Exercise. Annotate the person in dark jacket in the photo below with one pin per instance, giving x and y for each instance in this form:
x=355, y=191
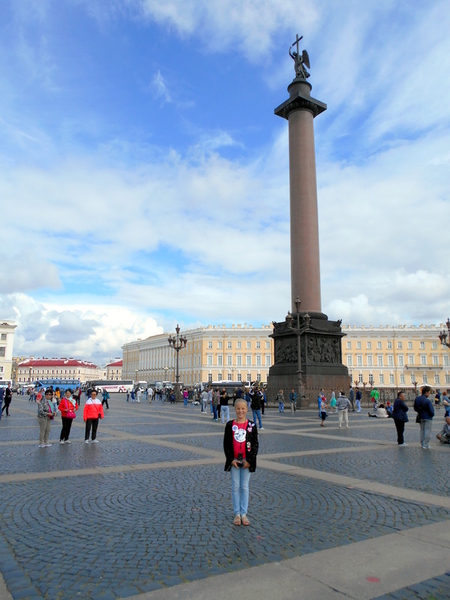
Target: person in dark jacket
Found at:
x=256, y=400
x=425, y=413
x=240, y=445
x=400, y=417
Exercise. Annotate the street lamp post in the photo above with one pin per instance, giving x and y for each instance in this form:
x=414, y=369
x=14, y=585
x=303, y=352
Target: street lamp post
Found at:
x=177, y=343
x=299, y=330
x=443, y=335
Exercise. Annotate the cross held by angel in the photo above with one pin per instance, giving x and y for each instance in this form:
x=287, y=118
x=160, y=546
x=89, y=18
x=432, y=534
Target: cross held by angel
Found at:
x=300, y=60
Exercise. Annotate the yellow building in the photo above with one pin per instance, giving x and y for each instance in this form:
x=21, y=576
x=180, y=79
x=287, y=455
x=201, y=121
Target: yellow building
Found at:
x=7, y=330
x=396, y=357
x=212, y=353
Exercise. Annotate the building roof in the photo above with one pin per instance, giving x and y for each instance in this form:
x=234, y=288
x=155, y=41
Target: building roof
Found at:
x=56, y=362
x=117, y=363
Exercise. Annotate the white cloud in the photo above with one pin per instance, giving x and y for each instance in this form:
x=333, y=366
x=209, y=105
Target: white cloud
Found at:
x=159, y=87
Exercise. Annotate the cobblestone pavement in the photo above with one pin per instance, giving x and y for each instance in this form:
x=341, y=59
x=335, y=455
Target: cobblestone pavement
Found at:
x=149, y=507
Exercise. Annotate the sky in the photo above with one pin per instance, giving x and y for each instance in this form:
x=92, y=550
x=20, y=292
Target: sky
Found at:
x=144, y=178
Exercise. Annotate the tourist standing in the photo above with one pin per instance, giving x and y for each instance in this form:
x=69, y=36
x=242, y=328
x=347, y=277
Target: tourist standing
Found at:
x=400, y=417
x=204, y=401
x=93, y=411
x=425, y=413
x=280, y=399
x=351, y=397
x=2, y=395
x=215, y=403
x=105, y=398
x=7, y=399
x=185, y=397
x=446, y=403
x=293, y=397
x=67, y=407
x=319, y=401
x=343, y=404
x=358, y=400
x=45, y=417
x=323, y=411
x=224, y=406
x=256, y=399
x=240, y=445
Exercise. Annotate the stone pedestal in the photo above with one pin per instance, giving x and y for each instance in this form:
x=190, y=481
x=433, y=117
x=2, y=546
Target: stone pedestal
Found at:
x=321, y=360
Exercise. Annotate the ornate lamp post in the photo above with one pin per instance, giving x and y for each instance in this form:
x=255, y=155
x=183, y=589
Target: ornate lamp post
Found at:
x=443, y=335
x=177, y=343
x=299, y=330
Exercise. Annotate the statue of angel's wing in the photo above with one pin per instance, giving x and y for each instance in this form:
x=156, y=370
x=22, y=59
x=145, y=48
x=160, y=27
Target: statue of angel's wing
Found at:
x=305, y=59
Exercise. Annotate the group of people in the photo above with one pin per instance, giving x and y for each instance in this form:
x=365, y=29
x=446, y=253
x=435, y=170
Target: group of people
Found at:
x=49, y=404
x=293, y=396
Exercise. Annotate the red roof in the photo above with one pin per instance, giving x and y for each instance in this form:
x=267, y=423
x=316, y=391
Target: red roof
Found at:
x=118, y=363
x=56, y=362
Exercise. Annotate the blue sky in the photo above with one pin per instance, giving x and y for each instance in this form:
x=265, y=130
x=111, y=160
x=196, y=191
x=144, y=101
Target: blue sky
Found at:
x=144, y=176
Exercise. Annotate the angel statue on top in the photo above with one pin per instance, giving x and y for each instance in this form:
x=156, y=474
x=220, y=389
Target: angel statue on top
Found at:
x=300, y=60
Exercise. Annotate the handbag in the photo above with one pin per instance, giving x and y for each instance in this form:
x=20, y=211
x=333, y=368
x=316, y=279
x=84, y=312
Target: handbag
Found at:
x=70, y=414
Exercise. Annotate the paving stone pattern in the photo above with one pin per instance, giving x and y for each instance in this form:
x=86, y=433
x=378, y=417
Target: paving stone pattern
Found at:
x=431, y=589
x=114, y=535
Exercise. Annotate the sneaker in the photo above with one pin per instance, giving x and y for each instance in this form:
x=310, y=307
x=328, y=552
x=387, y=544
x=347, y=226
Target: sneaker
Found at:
x=41, y=445
x=403, y=444
x=245, y=521
x=95, y=441
x=86, y=441
x=68, y=442
x=62, y=442
x=237, y=520
x=261, y=428
x=47, y=445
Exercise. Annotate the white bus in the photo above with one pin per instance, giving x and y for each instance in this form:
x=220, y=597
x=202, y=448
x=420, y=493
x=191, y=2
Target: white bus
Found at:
x=110, y=386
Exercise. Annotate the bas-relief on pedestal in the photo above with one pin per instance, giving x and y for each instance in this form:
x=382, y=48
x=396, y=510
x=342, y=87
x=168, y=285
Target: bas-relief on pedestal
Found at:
x=320, y=339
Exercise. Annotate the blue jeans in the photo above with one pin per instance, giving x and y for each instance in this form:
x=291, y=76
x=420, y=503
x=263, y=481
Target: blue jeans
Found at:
x=225, y=413
x=257, y=413
x=240, y=479
x=425, y=432
x=214, y=409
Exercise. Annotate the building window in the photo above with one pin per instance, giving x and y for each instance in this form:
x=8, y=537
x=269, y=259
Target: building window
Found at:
x=210, y=345
x=390, y=360
x=391, y=379
x=435, y=359
x=402, y=379
x=389, y=345
x=219, y=360
x=3, y=337
x=248, y=360
x=370, y=378
x=209, y=377
x=239, y=377
x=447, y=378
x=249, y=345
x=436, y=378
x=209, y=360
x=360, y=377
x=349, y=360
x=249, y=376
x=230, y=377
x=369, y=360
x=410, y=346
x=258, y=377
x=267, y=360
x=380, y=360
x=425, y=378
x=359, y=361
x=446, y=360
x=381, y=378
x=229, y=345
x=400, y=345
x=401, y=360
x=379, y=346
x=410, y=359
x=219, y=377
x=358, y=345
x=239, y=345
x=267, y=345
x=413, y=378
x=219, y=345
x=422, y=345
x=349, y=345
x=423, y=359
x=258, y=345
x=239, y=360
x=258, y=360
x=229, y=359
x=2, y=351
x=369, y=345
x=434, y=345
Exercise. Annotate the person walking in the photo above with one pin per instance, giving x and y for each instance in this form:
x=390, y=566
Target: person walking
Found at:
x=2, y=395
x=323, y=411
x=343, y=404
x=7, y=400
x=204, y=401
x=425, y=413
x=256, y=399
x=351, y=397
x=400, y=417
x=215, y=403
x=240, y=445
x=224, y=406
x=319, y=401
x=45, y=417
x=293, y=397
x=358, y=400
x=93, y=411
x=105, y=398
x=67, y=407
x=185, y=397
x=280, y=399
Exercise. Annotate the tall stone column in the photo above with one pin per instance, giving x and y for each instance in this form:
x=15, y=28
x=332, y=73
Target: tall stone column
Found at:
x=308, y=354
x=300, y=110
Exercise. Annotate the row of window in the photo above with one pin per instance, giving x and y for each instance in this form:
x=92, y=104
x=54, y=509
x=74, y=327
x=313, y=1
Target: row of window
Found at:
x=229, y=346
x=402, y=379
x=239, y=360
x=230, y=377
x=389, y=346
x=47, y=371
x=400, y=360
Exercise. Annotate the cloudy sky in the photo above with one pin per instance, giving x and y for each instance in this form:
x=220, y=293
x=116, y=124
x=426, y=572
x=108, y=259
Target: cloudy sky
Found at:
x=144, y=176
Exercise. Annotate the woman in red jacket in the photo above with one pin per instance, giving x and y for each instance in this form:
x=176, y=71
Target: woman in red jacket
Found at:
x=93, y=411
x=67, y=406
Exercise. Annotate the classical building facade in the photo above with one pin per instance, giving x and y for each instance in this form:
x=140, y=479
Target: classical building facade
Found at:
x=33, y=369
x=212, y=353
x=7, y=330
x=114, y=370
x=396, y=357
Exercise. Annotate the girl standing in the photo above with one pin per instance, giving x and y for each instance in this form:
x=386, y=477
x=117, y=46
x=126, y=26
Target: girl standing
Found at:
x=67, y=407
x=240, y=444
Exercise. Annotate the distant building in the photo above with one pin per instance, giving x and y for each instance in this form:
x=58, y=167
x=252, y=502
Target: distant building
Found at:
x=212, y=353
x=397, y=356
x=114, y=370
x=7, y=330
x=32, y=369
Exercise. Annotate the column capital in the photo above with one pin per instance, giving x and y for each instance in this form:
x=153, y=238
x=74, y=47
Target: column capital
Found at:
x=299, y=101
